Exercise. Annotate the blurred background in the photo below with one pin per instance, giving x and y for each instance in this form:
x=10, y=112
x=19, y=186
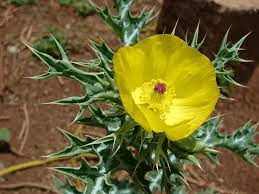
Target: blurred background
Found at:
x=33, y=126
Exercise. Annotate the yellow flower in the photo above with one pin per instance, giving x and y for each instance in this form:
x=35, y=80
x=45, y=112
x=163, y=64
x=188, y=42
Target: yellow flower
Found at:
x=165, y=85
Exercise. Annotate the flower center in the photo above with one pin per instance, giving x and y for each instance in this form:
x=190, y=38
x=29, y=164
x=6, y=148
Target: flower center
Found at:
x=155, y=95
x=160, y=88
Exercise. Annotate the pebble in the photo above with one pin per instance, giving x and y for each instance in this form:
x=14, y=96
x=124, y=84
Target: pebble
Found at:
x=12, y=49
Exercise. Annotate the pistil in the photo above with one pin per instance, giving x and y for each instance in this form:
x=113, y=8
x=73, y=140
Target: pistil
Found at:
x=160, y=88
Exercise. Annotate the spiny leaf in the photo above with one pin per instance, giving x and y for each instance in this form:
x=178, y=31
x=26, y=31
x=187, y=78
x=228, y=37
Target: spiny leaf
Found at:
x=64, y=68
x=75, y=147
x=47, y=44
x=240, y=141
x=159, y=153
x=124, y=187
x=124, y=24
x=46, y=75
x=195, y=44
x=104, y=139
x=227, y=54
x=93, y=89
x=85, y=101
x=209, y=133
x=100, y=118
x=105, y=51
x=112, y=96
x=97, y=181
x=194, y=160
x=97, y=177
x=155, y=178
x=129, y=163
x=126, y=126
x=66, y=188
x=71, y=100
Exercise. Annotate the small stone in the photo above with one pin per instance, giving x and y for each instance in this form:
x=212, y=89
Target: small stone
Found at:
x=12, y=49
x=49, y=151
x=68, y=26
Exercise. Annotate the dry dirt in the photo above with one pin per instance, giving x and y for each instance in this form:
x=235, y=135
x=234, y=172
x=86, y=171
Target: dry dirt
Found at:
x=19, y=95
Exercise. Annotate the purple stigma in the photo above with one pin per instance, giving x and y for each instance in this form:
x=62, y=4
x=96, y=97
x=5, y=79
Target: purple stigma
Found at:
x=160, y=88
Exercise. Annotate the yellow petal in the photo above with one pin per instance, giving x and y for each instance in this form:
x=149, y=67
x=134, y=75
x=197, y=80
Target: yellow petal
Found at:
x=182, y=120
x=157, y=50
x=191, y=72
x=129, y=67
x=154, y=120
x=133, y=110
x=128, y=76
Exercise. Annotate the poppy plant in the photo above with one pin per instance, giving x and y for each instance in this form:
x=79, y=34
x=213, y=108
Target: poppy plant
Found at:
x=165, y=85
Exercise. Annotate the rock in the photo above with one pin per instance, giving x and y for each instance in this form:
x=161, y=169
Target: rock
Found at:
x=216, y=16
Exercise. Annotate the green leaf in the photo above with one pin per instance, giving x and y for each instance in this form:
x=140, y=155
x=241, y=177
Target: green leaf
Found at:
x=104, y=51
x=209, y=133
x=124, y=187
x=195, y=44
x=227, y=54
x=135, y=169
x=96, y=180
x=4, y=135
x=155, y=179
x=194, y=160
x=104, y=139
x=47, y=44
x=71, y=100
x=97, y=177
x=240, y=141
x=64, y=67
x=66, y=188
x=105, y=119
x=99, y=84
x=93, y=95
x=126, y=26
x=75, y=147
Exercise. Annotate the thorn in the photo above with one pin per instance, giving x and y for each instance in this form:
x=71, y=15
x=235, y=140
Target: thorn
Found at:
x=33, y=77
x=164, y=30
x=186, y=37
x=47, y=103
x=218, y=116
x=226, y=98
x=186, y=182
x=173, y=32
x=212, y=150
